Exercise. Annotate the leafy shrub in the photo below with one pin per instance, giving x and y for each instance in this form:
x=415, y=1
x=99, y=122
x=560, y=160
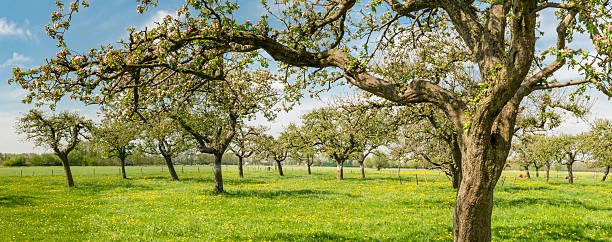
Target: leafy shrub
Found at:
x=17, y=161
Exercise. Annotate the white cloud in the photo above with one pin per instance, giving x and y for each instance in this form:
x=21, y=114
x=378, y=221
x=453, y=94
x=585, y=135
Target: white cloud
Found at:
x=9, y=28
x=16, y=60
x=157, y=18
x=13, y=143
x=294, y=115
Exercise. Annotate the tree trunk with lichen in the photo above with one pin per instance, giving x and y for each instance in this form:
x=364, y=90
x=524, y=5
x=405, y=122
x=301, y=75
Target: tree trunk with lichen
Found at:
x=482, y=166
x=340, y=171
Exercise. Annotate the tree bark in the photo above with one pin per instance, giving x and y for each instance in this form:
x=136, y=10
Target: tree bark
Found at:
x=308, y=164
x=280, y=168
x=240, y=171
x=603, y=179
x=67, y=170
x=483, y=159
x=340, y=172
x=537, y=171
x=570, y=173
x=170, y=165
x=527, y=170
x=547, y=172
x=456, y=181
x=218, y=174
x=362, y=170
x=122, y=158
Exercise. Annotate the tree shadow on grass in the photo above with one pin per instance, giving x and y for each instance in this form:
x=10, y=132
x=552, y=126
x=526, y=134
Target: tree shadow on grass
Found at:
x=528, y=201
x=549, y=232
x=97, y=187
x=16, y=200
x=516, y=188
x=301, y=236
x=281, y=193
x=168, y=178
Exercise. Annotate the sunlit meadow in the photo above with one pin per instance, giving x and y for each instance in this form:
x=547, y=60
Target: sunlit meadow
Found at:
x=36, y=205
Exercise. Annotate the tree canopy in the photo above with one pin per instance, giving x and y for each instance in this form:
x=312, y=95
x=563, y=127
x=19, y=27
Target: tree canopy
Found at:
x=379, y=47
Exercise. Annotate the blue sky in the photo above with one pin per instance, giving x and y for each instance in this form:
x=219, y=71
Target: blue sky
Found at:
x=24, y=43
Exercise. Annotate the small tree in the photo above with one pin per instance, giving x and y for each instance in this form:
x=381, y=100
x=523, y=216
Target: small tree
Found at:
x=117, y=139
x=301, y=146
x=344, y=131
x=378, y=160
x=61, y=132
x=573, y=148
x=244, y=144
x=276, y=149
x=163, y=136
x=600, y=144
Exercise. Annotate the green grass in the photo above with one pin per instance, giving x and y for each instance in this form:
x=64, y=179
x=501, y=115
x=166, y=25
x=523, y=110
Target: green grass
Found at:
x=297, y=207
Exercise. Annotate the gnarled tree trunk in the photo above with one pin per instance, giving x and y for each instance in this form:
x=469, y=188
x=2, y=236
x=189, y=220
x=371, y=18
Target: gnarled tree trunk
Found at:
x=240, y=171
x=456, y=180
x=362, y=169
x=339, y=172
x=170, y=165
x=603, y=179
x=280, y=168
x=570, y=173
x=547, y=172
x=482, y=166
x=527, y=170
x=67, y=170
x=218, y=174
x=122, y=158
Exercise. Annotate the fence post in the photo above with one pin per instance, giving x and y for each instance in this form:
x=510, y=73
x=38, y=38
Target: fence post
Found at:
x=503, y=180
x=21, y=172
x=51, y=171
x=182, y=169
x=514, y=182
x=417, y=178
x=141, y=170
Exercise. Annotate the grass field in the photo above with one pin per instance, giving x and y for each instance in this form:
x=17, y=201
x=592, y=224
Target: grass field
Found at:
x=36, y=206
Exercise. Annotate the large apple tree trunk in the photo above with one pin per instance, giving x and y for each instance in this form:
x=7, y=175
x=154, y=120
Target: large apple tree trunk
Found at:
x=168, y=159
x=362, y=169
x=603, y=179
x=240, y=170
x=217, y=172
x=280, y=168
x=67, y=170
x=570, y=173
x=481, y=167
x=547, y=172
x=122, y=159
x=340, y=172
